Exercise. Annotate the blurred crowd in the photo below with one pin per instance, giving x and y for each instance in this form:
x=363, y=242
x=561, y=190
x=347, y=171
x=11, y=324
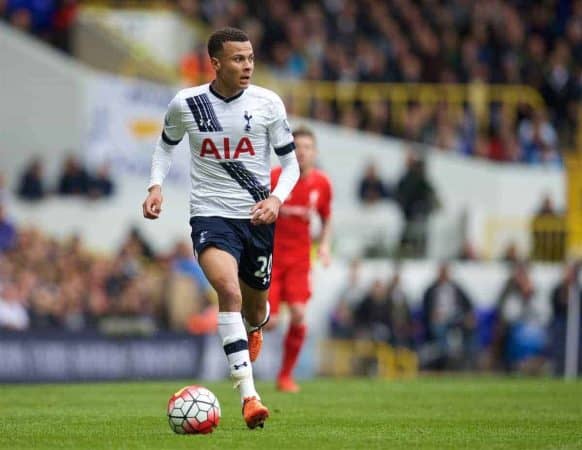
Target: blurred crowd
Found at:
x=418, y=199
x=46, y=284
x=509, y=42
x=49, y=20
x=450, y=332
x=74, y=179
x=456, y=41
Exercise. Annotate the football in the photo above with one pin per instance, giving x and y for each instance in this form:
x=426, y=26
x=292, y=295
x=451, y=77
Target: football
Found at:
x=193, y=410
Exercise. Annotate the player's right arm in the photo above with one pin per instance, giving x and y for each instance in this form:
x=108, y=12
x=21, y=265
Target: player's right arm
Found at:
x=281, y=138
x=172, y=134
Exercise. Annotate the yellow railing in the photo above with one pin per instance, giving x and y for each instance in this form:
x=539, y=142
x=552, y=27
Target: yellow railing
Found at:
x=549, y=238
x=543, y=238
x=301, y=94
x=346, y=358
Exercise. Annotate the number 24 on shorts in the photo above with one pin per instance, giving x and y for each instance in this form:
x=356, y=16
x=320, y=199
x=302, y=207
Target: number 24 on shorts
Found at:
x=266, y=266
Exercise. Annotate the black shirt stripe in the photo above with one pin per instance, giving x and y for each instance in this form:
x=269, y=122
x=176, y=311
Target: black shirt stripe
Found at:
x=196, y=113
x=246, y=180
x=208, y=105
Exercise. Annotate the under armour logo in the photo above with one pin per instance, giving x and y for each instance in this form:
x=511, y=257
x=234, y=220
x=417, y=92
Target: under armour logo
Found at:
x=238, y=366
x=248, y=119
x=203, y=237
x=202, y=123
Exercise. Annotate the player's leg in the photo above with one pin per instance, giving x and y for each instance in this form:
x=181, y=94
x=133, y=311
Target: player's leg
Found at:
x=255, y=279
x=256, y=314
x=297, y=292
x=221, y=269
x=218, y=248
x=256, y=306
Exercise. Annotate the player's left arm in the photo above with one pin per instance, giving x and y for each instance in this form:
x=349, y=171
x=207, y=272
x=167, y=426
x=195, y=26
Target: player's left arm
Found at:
x=324, y=211
x=281, y=138
x=324, y=250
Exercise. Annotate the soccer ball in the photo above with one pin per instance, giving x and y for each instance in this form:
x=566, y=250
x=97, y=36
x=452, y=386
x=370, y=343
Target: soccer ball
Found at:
x=193, y=410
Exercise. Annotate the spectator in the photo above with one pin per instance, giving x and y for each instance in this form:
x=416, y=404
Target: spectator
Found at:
x=341, y=321
x=417, y=199
x=353, y=291
x=31, y=185
x=100, y=184
x=139, y=244
x=195, y=67
x=519, y=336
x=372, y=189
x=449, y=319
x=372, y=315
x=538, y=140
x=468, y=252
x=63, y=23
x=74, y=179
x=7, y=231
x=401, y=326
x=13, y=314
x=185, y=263
x=511, y=253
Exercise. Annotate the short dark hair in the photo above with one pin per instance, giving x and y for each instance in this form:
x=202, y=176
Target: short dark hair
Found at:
x=304, y=131
x=227, y=34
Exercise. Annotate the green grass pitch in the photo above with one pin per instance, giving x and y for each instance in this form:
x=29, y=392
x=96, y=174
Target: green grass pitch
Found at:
x=427, y=413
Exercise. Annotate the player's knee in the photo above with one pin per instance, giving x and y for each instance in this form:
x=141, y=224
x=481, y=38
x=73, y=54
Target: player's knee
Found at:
x=297, y=316
x=229, y=294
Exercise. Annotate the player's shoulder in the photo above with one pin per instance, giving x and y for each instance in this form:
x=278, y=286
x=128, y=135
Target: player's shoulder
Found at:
x=192, y=91
x=320, y=176
x=261, y=93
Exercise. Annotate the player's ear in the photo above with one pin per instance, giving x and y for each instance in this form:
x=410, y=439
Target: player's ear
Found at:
x=215, y=63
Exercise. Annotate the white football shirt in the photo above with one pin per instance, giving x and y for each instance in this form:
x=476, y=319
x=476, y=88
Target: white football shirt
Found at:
x=230, y=144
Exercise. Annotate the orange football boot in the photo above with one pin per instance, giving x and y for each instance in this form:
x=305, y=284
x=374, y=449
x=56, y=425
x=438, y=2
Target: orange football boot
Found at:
x=286, y=384
x=254, y=412
x=255, y=339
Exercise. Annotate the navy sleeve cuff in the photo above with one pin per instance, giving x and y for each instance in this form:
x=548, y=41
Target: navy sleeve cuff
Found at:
x=285, y=149
x=169, y=141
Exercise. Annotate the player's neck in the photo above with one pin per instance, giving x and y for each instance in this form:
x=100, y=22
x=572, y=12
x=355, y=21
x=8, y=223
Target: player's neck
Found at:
x=225, y=91
x=305, y=172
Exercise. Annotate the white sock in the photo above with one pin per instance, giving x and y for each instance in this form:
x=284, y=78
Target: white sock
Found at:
x=235, y=344
x=250, y=328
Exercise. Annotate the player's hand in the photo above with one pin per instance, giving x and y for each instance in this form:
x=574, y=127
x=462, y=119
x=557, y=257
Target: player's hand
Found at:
x=152, y=206
x=265, y=211
x=324, y=254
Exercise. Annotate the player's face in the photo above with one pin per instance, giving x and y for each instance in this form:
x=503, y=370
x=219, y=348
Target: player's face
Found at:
x=306, y=152
x=235, y=64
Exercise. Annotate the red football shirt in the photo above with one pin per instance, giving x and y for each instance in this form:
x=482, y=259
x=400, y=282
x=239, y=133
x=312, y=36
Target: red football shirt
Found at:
x=312, y=194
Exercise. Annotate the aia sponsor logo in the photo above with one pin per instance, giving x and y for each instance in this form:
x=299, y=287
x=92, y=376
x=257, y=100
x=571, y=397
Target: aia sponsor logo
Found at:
x=210, y=149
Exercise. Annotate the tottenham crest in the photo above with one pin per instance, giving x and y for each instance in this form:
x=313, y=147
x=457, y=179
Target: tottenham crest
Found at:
x=248, y=118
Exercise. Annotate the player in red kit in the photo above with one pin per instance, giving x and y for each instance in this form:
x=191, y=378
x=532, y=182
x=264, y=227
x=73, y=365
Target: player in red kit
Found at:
x=290, y=280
